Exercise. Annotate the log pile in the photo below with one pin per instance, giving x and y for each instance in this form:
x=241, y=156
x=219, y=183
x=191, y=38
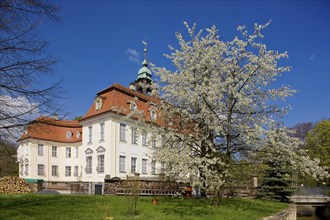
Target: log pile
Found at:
x=14, y=184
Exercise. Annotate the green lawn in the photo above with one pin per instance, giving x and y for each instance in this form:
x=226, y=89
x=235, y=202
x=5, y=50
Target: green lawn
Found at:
x=37, y=206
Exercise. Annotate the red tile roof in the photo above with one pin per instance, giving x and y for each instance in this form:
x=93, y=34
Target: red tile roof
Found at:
x=116, y=98
x=45, y=128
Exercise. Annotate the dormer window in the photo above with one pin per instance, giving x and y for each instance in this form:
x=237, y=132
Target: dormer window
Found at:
x=133, y=106
x=78, y=134
x=68, y=135
x=98, y=103
x=152, y=115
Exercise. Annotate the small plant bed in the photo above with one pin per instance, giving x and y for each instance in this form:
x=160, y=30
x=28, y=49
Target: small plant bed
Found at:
x=36, y=206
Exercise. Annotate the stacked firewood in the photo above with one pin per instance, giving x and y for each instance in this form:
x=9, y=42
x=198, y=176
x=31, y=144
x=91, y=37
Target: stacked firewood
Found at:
x=14, y=184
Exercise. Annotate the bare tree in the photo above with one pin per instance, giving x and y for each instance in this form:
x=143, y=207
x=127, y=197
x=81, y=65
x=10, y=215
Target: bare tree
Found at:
x=301, y=130
x=26, y=89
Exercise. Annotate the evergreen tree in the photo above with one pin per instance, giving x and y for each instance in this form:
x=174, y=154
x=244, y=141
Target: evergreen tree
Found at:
x=277, y=184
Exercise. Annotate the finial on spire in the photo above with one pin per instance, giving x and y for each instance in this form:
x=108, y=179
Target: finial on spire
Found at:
x=145, y=63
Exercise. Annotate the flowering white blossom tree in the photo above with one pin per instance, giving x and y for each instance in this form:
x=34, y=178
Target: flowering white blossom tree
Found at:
x=285, y=159
x=218, y=103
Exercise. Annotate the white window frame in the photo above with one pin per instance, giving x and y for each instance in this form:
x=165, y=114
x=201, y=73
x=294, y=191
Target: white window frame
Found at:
x=75, y=172
x=98, y=104
x=102, y=128
x=89, y=164
x=122, y=132
x=144, y=166
x=100, y=163
x=26, y=169
x=77, y=152
x=134, y=135
x=163, y=167
x=41, y=170
x=144, y=139
x=154, y=142
x=90, y=134
x=54, y=151
x=54, y=170
x=67, y=170
x=133, y=164
x=153, y=167
x=68, y=152
x=133, y=106
x=68, y=135
x=153, y=115
x=22, y=169
x=122, y=163
x=40, y=149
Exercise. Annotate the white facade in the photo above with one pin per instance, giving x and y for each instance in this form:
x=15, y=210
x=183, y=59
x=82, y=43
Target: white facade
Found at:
x=111, y=145
x=48, y=160
x=123, y=153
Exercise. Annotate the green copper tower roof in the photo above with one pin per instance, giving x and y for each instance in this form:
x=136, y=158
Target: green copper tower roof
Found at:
x=144, y=72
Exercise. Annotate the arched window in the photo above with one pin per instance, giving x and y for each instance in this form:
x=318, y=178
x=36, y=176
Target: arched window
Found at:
x=68, y=134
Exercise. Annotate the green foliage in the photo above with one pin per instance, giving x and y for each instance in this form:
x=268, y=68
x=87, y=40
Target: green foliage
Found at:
x=77, y=118
x=318, y=142
x=34, y=206
x=276, y=184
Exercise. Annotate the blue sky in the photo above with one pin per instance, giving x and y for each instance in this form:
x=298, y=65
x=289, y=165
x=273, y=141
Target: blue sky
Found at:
x=98, y=43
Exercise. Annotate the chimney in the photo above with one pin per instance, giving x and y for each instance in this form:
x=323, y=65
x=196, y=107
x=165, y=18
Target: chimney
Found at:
x=132, y=86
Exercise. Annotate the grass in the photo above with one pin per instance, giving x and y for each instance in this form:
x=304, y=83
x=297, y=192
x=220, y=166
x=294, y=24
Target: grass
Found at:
x=37, y=206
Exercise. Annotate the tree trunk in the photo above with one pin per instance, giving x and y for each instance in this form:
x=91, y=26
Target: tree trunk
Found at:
x=218, y=193
x=203, y=187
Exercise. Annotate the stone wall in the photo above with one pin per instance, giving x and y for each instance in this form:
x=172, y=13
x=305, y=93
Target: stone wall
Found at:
x=287, y=214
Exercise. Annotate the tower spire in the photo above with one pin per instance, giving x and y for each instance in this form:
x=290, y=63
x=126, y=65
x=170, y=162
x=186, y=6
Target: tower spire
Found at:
x=144, y=79
x=145, y=62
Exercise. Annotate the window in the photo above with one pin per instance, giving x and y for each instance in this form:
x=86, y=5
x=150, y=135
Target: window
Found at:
x=134, y=135
x=144, y=139
x=90, y=134
x=153, y=167
x=41, y=170
x=101, y=131
x=122, y=164
x=54, y=151
x=122, y=132
x=26, y=171
x=152, y=115
x=98, y=105
x=133, y=106
x=67, y=170
x=68, y=152
x=164, y=141
x=154, y=142
x=76, y=152
x=75, y=172
x=54, y=170
x=78, y=134
x=88, y=165
x=162, y=167
x=68, y=135
x=21, y=170
x=144, y=166
x=40, y=149
x=100, y=163
x=133, y=164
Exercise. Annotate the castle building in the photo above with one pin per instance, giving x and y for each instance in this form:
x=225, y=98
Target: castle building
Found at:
x=104, y=143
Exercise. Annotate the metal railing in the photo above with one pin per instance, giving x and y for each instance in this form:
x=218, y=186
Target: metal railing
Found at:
x=310, y=191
